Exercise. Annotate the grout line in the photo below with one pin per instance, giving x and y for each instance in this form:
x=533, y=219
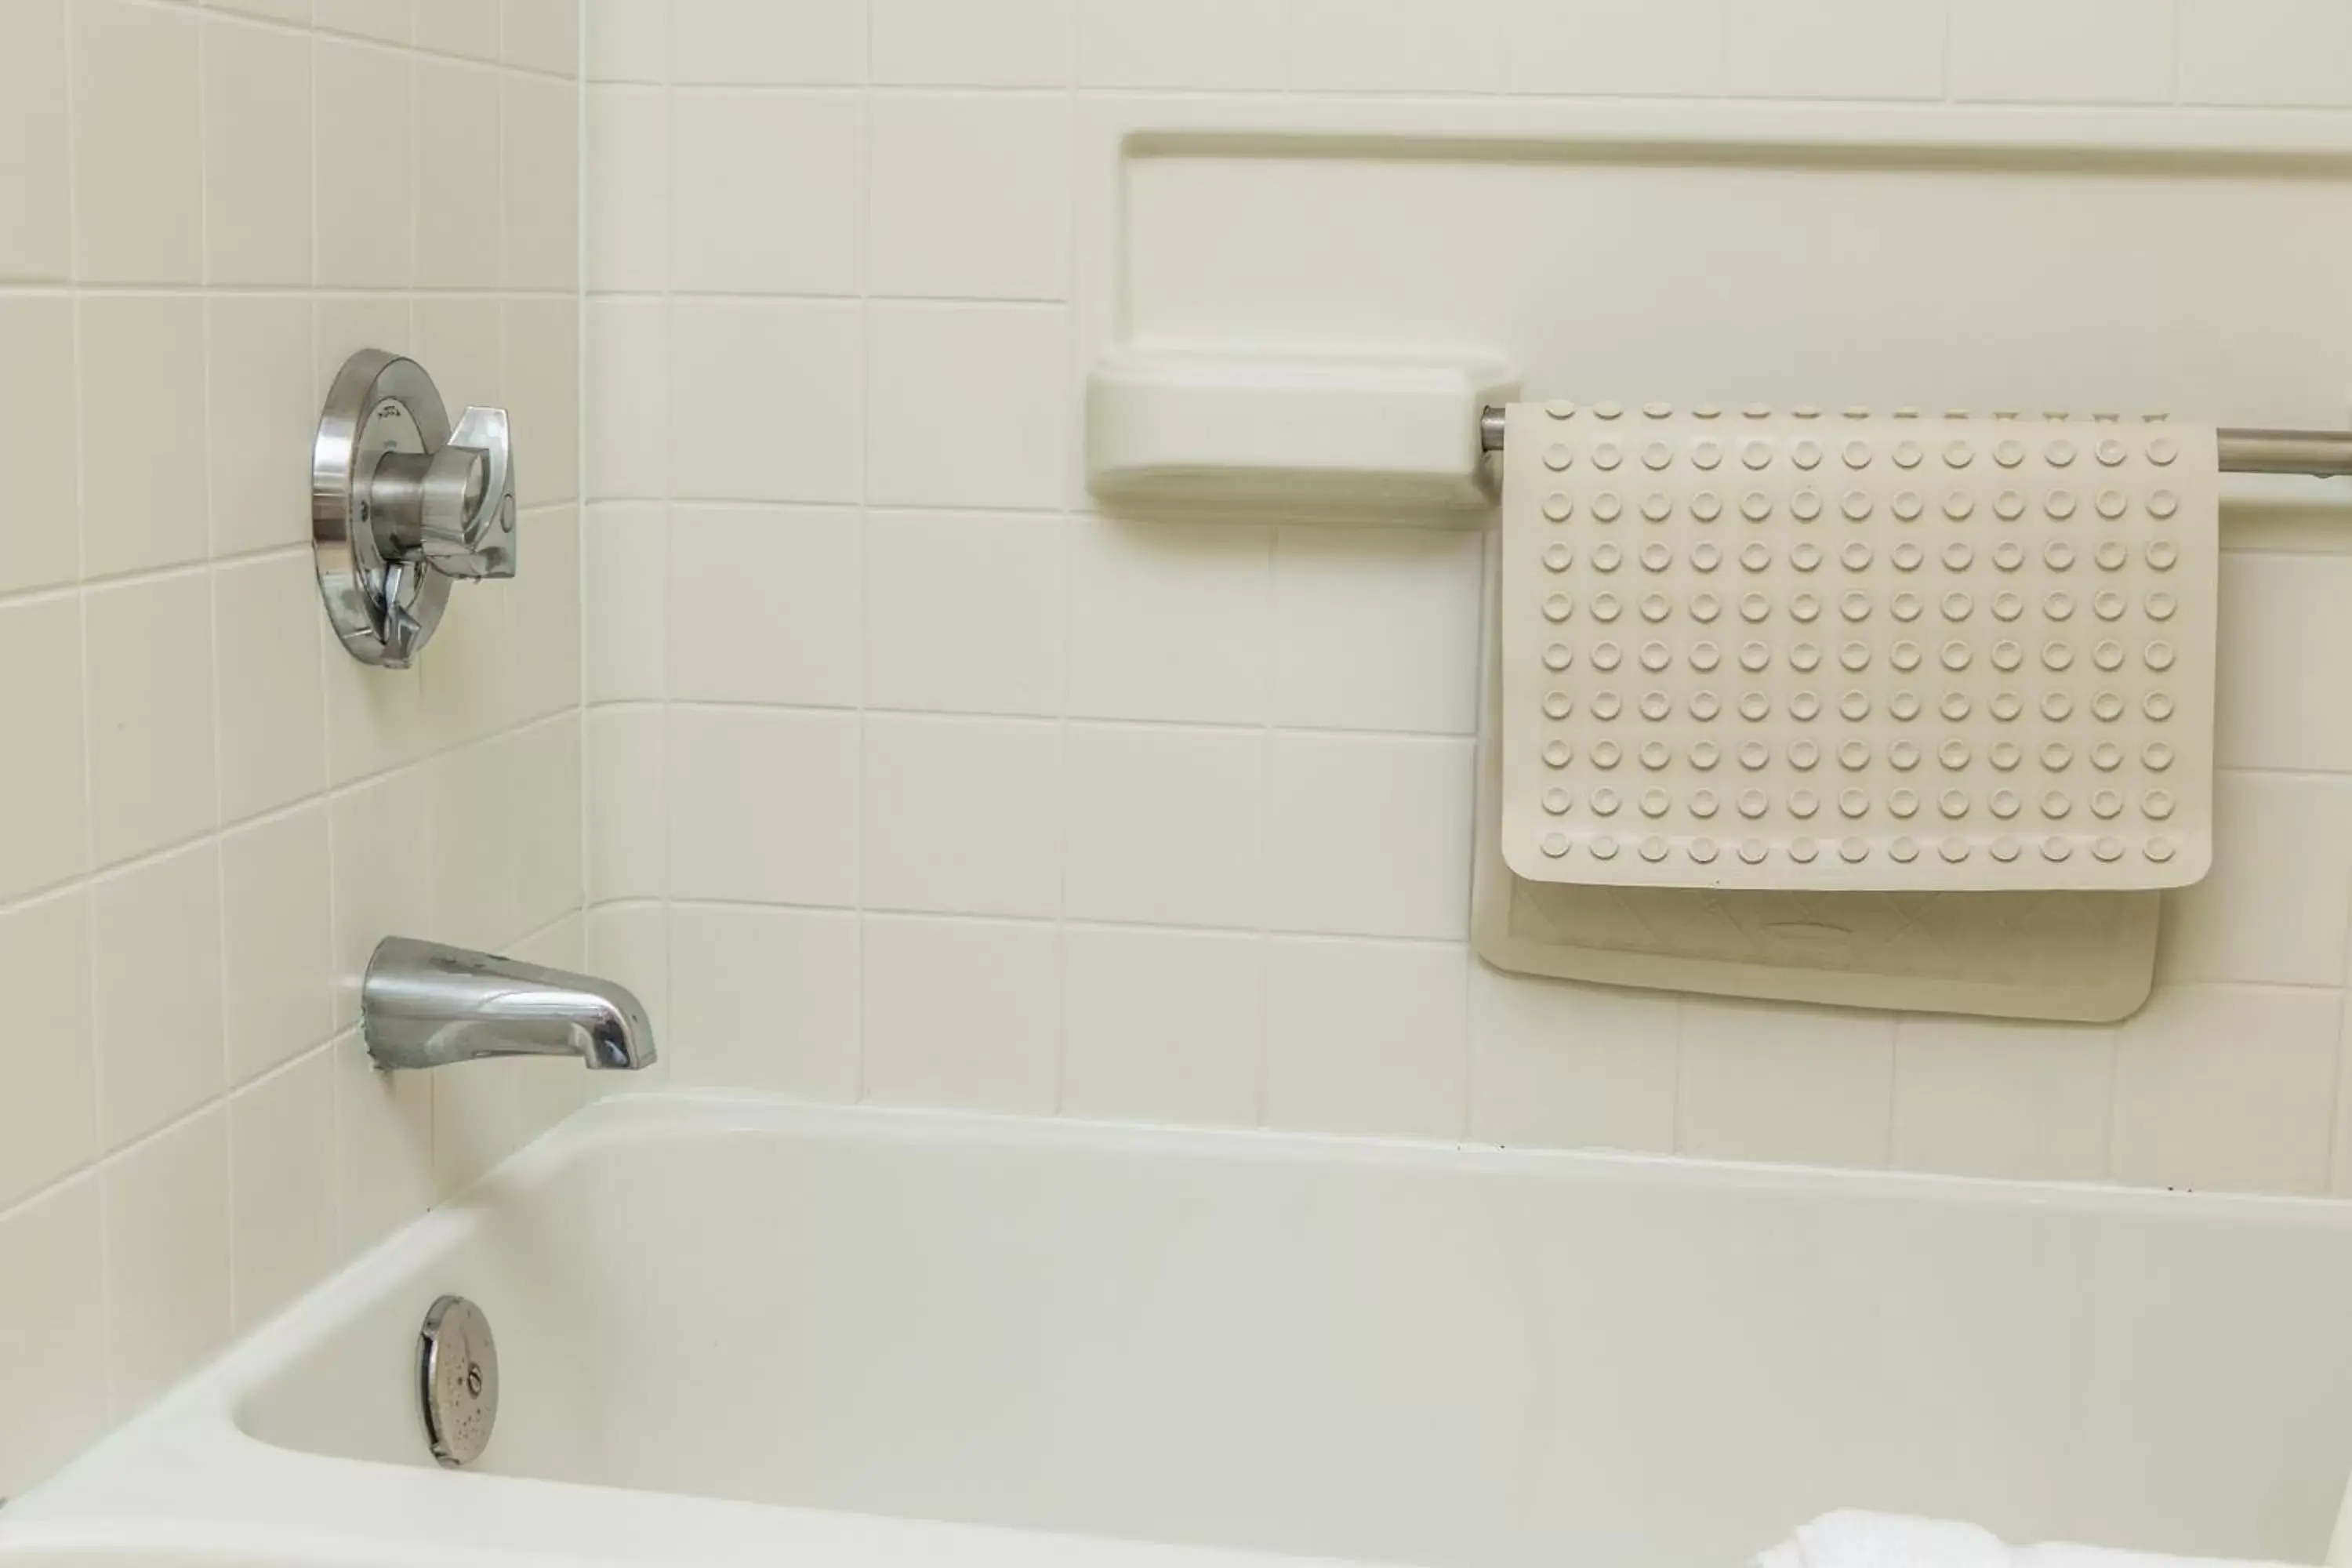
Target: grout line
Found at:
x=1270, y=582
x=2111, y=1102
x=1946, y=83
x=2179, y=30
x=1240, y=727
x=327, y=646
x=109, y=1310
x=20, y=289
x=1074, y=311
x=2331, y=1185
x=864, y=493
x=1079, y=922
x=2336, y=1153
x=1031, y=304
x=1891, y=1042
x=833, y=506
x=205, y=350
x=1203, y=726
x=579, y=453
x=668, y=512
x=1489, y=588
x=138, y=576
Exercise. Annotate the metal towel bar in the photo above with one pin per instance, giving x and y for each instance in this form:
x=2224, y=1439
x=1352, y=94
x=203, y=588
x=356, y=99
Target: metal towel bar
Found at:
x=2326, y=454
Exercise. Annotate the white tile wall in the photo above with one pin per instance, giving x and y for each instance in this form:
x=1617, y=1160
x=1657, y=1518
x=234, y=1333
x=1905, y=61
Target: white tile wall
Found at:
x=170, y=1255
x=1166, y=824
x=48, y=1120
x=1588, y=1066
x=1835, y=48
x=1364, y=1036
x=56, y=1248
x=1139, y=597
x=961, y=1012
x=799, y=233
x=1365, y=834
x=2083, y=51
x=2029, y=1101
x=967, y=405
x=208, y=816
x=1151, y=44
x=766, y=998
x=1170, y=822
x=1670, y=47
x=962, y=612
x=2264, y=51
x=1376, y=629
x=2228, y=1085
x=1764, y=1082
x=763, y=805
x=1012, y=43
x=757, y=410
x=960, y=815
x=36, y=439
x=817, y=42
x=763, y=603
x=1392, y=45
x=969, y=195
x=1162, y=1025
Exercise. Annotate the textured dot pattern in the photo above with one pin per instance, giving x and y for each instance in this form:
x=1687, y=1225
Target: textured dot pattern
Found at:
x=1760, y=650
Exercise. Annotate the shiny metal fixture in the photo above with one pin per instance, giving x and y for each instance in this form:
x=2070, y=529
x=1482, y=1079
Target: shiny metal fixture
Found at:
x=457, y=1376
x=402, y=504
x=423, y=1004
x=2324, y=454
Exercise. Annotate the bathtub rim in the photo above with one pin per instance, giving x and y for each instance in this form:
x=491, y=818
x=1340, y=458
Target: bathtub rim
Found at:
x=184, y=1480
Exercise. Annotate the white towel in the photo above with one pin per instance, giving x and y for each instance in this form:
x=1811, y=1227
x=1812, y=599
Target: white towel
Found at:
x=1856, y=1540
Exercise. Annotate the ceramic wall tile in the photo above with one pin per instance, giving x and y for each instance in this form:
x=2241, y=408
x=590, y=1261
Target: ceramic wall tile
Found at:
x=801, y=235
x=968, y=195
x=1835, y=48
x=961, y=1013
x=765, y=999
x=944, y=43
x=1165, y=825
x=49, y=1058
x=1162, y=1026
x=168, y=1260
x=138, y=139
x=285, y=1221
x=209, y=815
x=2082, y=51
x=2264, y=53
x=257, y=154
x=1367, y=1037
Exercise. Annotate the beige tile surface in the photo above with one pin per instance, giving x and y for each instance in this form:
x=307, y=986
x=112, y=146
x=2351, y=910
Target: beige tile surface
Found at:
x=208, y=814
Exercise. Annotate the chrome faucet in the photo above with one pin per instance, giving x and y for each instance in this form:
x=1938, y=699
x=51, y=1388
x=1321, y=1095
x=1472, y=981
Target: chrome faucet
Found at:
x=423, y=1004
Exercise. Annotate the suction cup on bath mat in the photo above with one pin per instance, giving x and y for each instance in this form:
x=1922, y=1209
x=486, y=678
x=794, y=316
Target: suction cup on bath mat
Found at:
x=458, y=1373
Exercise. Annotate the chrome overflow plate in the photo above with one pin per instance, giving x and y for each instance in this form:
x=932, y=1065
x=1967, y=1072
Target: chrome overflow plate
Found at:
x=457, y=1372
x=402, y=504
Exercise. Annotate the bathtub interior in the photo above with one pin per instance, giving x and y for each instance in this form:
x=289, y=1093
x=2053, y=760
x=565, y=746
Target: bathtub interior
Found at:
x=1426, y=1357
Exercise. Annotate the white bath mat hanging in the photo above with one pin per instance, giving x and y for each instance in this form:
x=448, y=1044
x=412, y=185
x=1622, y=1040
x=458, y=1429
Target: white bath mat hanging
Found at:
x=1743, y=650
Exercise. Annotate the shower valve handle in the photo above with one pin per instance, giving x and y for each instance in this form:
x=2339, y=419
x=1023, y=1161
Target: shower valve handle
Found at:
x=467, y=523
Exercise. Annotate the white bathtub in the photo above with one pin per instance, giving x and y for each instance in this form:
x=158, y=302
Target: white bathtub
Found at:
x=739, y=1332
